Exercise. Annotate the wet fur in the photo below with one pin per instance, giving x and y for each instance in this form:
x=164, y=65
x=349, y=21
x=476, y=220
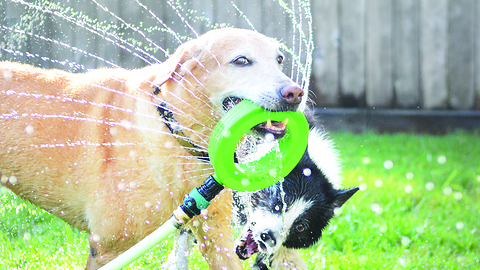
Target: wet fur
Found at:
x=92, y=149
x=305, y=200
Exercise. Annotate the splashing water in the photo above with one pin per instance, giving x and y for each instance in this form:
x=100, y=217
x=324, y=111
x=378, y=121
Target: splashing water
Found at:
x=133, y=34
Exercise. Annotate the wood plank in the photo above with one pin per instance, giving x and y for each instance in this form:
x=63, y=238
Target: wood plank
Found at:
x=379, y=87
x=461, y=32
x=82, y=38
x=433, y=53
x=252, y=11
x=14, y=40
x=477, y=53
x=273, y=20
x=225, y=13
x=204, y=15
x=325, y=68
x=107, y=50
x=3, y=32
x=352, y=53
x=406, y=53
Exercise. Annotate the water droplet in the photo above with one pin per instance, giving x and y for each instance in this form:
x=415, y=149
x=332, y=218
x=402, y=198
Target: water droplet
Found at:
x=337, y=211
x=4, y=179
x=460, y=225
x=447, y=191
x=62, y=212
x=7, y=75
x=29, y=129
x=307, y=172
x=458, y=195
x=420, y=229
x=148, y=204
x=388, y=164
x=195, y=223
x=13, y=180
x=147, y=222
x=133, y=154
x=406, y=241
x=362, y=187
x=126, y=124
x=133, y=184
x=169, y=145
x=379, y=183
x=27, y=236
x=226, y=133
x=121, y=186
x=441, y=159
x=245, y=182
x=377, y=209
x=205, y=228
x=410, y=176
x=277, y=208
x=366, y=160
x=408, y=189
x=113, y=131
x=429, y=186
x=383, y=228
x=269, y=137
x=96, y=237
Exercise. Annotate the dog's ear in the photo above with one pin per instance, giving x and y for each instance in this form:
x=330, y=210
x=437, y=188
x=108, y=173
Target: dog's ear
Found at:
x=180, y=63
x=343, y=195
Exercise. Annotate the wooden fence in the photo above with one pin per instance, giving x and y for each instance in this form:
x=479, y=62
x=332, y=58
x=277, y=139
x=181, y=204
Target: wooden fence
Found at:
x=368, y=53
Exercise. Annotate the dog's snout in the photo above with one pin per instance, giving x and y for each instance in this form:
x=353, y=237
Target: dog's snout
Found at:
x=268, y=238
x=292, y=94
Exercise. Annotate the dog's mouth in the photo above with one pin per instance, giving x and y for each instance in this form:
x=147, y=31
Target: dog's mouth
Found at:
x=247, y=246
x=275, y=128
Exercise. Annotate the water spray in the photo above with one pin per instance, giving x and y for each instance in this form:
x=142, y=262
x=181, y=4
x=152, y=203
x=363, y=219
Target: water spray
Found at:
x=249, y=176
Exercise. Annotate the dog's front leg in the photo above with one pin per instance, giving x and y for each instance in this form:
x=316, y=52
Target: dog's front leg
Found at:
x=214, y=233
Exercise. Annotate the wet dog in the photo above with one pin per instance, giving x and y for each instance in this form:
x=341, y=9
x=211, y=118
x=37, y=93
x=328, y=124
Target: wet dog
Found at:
x=278, y=220
x=114, y=151
x=292, y=214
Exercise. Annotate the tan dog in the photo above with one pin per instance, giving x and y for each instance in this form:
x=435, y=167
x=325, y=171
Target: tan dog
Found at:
x=94, y=149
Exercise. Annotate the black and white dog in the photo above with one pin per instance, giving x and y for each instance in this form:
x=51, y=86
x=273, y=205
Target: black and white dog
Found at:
x=292, y=214
x=287, y=216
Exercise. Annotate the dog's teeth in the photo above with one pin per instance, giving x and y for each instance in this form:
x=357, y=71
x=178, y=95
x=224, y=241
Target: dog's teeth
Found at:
x=269, y=123
x=285, y=122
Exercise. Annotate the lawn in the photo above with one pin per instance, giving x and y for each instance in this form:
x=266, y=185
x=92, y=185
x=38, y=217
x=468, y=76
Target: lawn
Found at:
x=418, y=207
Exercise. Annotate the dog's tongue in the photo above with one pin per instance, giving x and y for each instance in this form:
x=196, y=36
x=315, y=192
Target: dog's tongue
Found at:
x=247, y=246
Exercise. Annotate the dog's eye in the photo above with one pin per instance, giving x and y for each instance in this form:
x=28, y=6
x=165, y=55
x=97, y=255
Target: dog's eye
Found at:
x=300, y=228
x=280, y=59
x=241, y=61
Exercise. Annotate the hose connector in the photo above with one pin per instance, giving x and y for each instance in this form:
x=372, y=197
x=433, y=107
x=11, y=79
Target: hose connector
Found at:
x=199, y=198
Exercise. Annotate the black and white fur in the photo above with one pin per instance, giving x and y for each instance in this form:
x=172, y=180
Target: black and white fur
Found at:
x=287, y=216
x=292, y=214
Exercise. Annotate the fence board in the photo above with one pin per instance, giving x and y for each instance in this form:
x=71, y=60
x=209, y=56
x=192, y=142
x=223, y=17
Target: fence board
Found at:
x=391, y=53
x=13, y=15
x=352, y=52
x=105, y=49
x=406, y=64
x=460, y=54
x=379, y=89
x=477, y=53
x=433, y=47
x=84, y=39
x=325, y=70
x=253, y=12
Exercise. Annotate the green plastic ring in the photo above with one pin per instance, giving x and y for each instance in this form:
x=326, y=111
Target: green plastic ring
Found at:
x=268, y=169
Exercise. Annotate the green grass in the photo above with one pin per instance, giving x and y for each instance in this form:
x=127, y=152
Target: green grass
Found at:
x=422, y=213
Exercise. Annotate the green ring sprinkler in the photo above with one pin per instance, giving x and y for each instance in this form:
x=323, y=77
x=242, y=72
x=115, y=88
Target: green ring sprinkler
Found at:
x=249, y=176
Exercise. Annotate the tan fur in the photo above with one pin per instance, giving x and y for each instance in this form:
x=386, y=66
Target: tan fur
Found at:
x=92, y=149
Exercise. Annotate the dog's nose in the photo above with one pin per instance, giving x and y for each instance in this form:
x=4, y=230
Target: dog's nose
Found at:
x=292, y=94
x=268, y=238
